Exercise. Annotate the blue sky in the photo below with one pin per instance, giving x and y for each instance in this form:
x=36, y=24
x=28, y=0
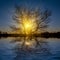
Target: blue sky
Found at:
x=7, y=9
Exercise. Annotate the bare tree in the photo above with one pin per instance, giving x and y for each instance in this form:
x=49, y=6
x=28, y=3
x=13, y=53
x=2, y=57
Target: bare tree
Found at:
x=41, y=18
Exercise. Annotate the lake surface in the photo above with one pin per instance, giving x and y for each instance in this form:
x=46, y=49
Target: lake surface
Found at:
x=50, y=50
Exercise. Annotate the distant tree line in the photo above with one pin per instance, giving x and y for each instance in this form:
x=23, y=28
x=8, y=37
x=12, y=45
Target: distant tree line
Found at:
x=1, y=32
x=43, y=35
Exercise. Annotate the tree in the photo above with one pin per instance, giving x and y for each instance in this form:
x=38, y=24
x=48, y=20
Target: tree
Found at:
x=30, y=20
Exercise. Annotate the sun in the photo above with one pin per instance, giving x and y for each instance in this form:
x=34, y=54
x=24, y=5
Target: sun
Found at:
x=29, y=26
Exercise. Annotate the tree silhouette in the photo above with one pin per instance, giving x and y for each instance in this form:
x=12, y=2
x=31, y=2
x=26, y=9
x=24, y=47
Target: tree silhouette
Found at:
x=41, y=18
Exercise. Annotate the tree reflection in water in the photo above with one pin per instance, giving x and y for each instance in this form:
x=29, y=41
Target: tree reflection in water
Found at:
x=28, y=47
x=30, y=21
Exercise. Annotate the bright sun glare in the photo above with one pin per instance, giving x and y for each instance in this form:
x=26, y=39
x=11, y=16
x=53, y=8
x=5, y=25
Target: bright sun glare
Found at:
x=29, y=26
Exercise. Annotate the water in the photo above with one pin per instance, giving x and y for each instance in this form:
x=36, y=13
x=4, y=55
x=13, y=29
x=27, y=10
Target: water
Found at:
x=8, y=52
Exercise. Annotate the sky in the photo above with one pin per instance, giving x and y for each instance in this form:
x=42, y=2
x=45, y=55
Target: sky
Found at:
x=7, y=9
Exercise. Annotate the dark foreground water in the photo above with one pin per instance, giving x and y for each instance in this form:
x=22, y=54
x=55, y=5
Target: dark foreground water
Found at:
x=52, y=52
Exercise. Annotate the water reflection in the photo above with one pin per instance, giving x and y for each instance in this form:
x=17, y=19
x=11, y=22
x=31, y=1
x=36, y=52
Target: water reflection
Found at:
x=28, y=48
